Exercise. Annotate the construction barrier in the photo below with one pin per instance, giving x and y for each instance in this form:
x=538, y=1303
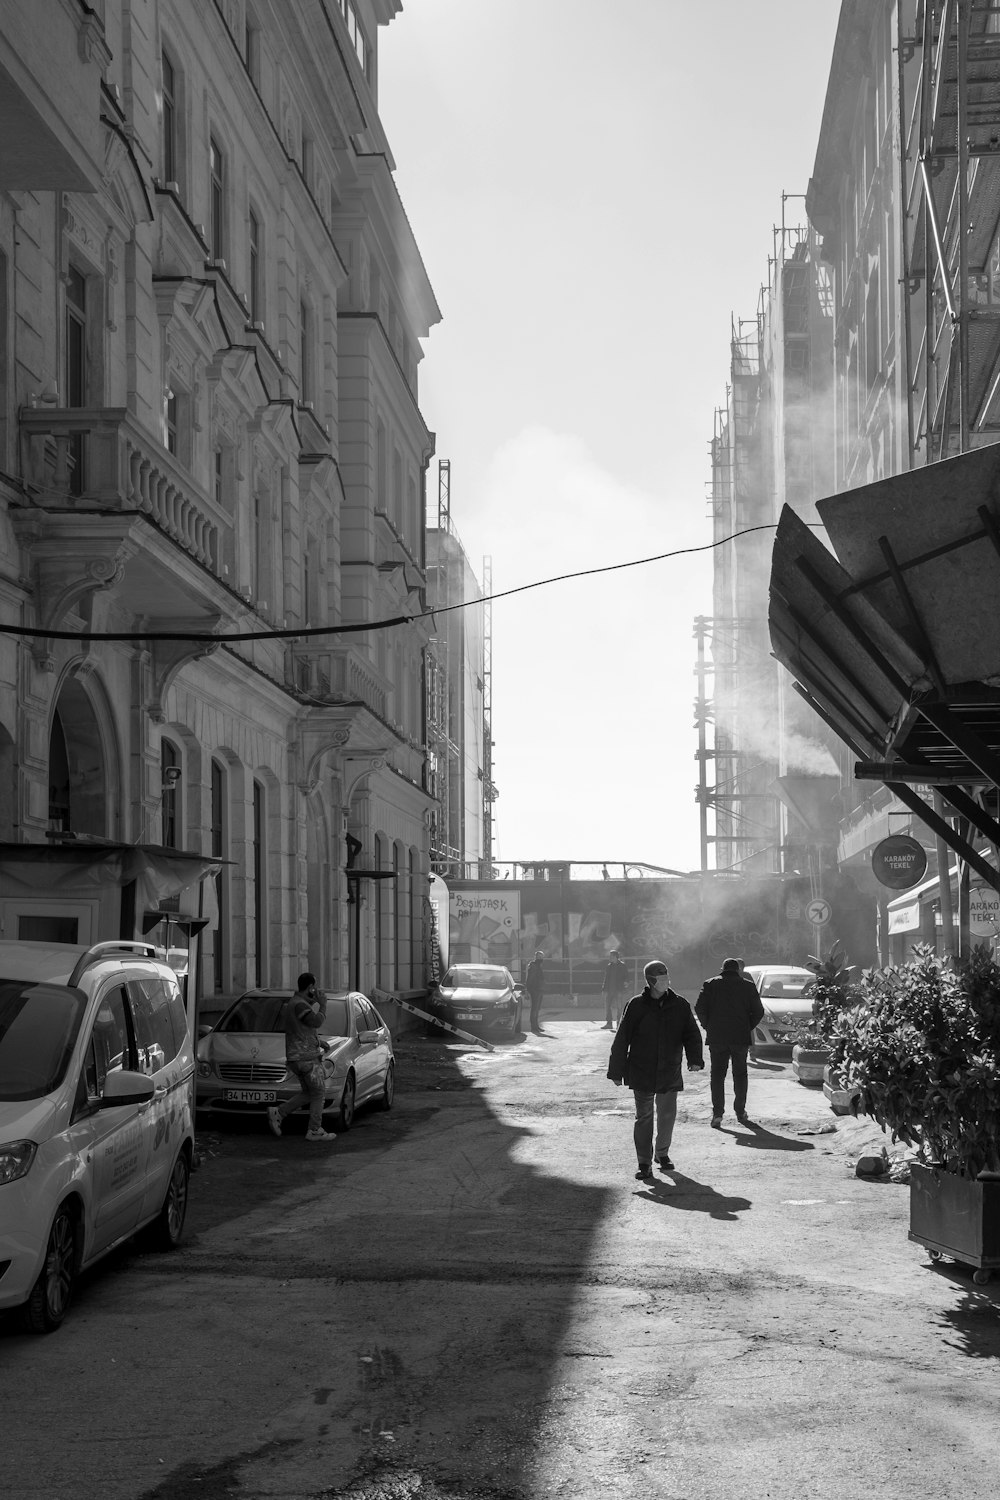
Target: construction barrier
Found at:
x=445, y=1025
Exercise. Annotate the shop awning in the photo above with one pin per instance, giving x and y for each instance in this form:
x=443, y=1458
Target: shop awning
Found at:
x=894, y=638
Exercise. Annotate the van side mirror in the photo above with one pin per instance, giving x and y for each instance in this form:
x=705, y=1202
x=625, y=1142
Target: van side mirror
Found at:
x=124, y=1087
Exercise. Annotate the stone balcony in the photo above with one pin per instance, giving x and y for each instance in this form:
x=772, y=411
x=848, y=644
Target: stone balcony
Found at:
x=102, y=459
x=339, y=674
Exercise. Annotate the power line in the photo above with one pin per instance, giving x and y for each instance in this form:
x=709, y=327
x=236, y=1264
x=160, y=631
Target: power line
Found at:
x=314, y=631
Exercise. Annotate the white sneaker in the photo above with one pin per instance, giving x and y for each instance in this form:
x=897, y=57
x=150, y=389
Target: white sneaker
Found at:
x=320, y=1135
x=274, y=1118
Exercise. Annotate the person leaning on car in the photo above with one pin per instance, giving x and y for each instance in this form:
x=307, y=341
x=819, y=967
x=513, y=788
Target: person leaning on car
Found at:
x=302, y=1016
x=729, y=1007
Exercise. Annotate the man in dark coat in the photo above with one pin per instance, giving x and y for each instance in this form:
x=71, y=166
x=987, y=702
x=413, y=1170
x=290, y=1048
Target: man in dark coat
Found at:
x=615, y=978
x=657, y=1029
x=729, y=1007
x=534, y=983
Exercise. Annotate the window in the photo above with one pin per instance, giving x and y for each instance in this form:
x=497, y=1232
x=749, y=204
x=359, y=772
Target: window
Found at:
x=170, y=153
x=358, y=39
x=259, y=911
x=217, y=835
x=158, y=1013
x=305, y=353
x=380, y=477
x=217, y=204
x=76, y=367
x=218, y=476
x=172, y=423
x=253, y=290
x=259, y=552
x=251, y=49
x=170, y=775
x=110, y=1048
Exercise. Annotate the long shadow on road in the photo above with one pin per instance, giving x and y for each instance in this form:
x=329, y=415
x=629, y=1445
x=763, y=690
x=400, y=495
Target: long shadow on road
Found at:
x=687, y=1193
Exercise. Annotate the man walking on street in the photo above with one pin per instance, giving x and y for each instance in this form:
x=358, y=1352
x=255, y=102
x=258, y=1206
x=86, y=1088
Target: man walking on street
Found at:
x=302, y=1016
x=615, y=978
x=729, y=1007
x=534, y=983
x=657, y=1029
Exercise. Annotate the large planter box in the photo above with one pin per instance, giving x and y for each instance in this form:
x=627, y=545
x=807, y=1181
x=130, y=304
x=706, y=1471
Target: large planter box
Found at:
x=809, y=1064
x=842, y=1099
x=956, y=1216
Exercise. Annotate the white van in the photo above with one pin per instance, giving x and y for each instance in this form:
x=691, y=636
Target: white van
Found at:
x=96, y=1113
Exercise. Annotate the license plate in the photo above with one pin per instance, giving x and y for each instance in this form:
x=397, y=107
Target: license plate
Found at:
x=250, y=1096
x=466, y=1016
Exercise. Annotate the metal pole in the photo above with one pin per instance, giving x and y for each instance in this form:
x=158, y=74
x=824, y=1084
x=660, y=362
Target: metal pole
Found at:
x=944, y=883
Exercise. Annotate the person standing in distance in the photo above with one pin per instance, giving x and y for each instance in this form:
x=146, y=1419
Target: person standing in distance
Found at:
x=534, y=983
x=302, y=1016
x=657, y=1030
x=729, y=1007
x=615, y=979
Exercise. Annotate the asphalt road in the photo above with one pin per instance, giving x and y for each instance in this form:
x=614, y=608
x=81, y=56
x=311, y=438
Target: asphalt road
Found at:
x=471, y=1298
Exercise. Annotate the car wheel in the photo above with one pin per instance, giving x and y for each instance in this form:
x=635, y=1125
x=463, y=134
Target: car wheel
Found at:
x=345, y=1115
x=51, y=1293
x=389, y=1087
x=164, y=1233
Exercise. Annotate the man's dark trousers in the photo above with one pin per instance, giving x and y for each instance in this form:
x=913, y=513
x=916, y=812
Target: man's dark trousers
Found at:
x=722, y=1059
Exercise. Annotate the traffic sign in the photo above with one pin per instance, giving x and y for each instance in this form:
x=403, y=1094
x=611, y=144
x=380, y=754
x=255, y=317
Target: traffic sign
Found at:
x=819, y=911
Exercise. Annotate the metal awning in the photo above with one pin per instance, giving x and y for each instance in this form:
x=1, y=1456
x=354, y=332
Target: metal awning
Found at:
x=895, y=640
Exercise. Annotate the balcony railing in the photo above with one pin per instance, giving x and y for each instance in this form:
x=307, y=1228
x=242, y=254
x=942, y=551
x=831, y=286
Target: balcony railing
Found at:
x=340, y=674
x=102, y=459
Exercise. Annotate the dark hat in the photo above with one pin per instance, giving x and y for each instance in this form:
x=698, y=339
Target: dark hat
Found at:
x=731, y=966
x=654, y=967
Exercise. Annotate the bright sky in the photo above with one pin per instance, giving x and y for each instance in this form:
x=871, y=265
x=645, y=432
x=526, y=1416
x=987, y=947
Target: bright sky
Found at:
x=593, y=188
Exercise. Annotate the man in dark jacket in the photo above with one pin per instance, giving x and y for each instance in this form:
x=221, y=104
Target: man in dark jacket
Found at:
x=656, y=1030
x=615, y=977
x=729, y=1007
x=534, y=983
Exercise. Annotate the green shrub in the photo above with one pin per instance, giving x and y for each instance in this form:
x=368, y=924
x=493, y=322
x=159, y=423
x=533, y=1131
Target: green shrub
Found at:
x=922, y=1043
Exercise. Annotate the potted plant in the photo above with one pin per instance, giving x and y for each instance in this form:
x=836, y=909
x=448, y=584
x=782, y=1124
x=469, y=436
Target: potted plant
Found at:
x=922, y=1047
x=829, y=995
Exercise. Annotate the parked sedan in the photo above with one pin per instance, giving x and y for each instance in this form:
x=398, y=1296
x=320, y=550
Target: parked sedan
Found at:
x=241, y=1060
x=482, y=996
x=786, y=993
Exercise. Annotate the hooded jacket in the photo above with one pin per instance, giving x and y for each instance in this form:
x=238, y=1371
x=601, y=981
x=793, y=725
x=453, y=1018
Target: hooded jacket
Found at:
x=652, y=1038
x=729, y=1007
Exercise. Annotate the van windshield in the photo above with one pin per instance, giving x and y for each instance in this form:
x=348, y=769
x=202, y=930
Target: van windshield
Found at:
x=38, y=1027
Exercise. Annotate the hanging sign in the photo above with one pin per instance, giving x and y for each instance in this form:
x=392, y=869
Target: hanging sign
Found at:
x=899, y=861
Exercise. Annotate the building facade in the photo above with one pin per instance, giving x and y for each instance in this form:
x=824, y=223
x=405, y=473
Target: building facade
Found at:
x=212, y=471
x=459, y=733
x=776, y=773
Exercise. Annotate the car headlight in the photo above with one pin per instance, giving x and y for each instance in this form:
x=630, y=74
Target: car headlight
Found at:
x=15, y=1159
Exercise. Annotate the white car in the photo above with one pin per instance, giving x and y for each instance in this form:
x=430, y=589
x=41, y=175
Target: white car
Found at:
x=96, y=1113
x=786, y=995
x=241, y=1060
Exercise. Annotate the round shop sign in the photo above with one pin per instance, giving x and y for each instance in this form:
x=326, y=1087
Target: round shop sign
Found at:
x=984, y=910
x=899, y=861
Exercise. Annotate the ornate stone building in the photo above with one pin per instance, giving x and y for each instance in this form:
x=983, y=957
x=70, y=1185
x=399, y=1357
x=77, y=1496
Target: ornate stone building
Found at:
x=211, y=314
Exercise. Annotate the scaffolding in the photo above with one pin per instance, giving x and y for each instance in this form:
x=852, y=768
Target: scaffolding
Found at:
x=489, y=787
x=949, y=110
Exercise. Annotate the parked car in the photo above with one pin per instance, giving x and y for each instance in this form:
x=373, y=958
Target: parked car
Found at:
x=96, y=1114
x=482, y=996
x=241, y=1059
x=786, y=994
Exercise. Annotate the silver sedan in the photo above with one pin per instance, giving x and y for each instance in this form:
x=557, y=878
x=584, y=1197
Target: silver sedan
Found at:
x=241, y=1059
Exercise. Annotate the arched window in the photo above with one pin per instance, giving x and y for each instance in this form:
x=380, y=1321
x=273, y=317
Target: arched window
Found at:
x=398, y=916
x=259, y=853
x=219, y=846
x=416, y=924
x=170, y=794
